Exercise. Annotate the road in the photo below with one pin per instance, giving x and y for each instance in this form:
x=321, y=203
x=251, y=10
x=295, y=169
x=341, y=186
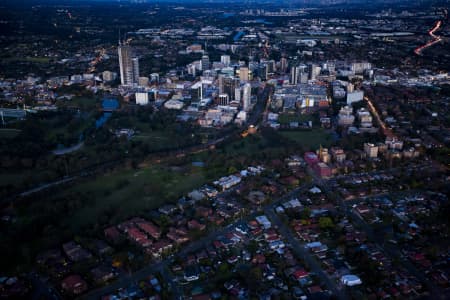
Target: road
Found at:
x=390, y=250
x=393, y=252
x=435, y=38
x=161, y=267
x=301, y=252
x=387, y=131
x=268, y=209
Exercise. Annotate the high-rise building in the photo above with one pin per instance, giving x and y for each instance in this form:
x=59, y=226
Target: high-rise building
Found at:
x=229, y=86
x=221, y=80
x=225, y=60
x=314, y=71
x=238, y=94
x=135, y=63
x=243, y=73
x=223, y=99
x=283, y=64
x=246, y=96
x=197, y=91
x=205, y=63
x=271, y=66
x=129, y=65
x=293, y=79
x=295, y=73
x=298, y=75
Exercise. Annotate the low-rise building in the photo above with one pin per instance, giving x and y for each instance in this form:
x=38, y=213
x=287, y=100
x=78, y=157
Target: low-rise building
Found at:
x=371, y=150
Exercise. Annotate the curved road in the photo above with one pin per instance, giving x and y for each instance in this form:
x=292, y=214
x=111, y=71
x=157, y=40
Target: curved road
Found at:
x=435, y=38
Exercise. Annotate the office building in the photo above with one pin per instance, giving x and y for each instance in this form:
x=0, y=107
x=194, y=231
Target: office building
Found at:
x=314, y=71
x=109, y=76
x=142, y=98
x=246, y=96
x=283, y=64
x=229, y=85
x=223, y=99
x=225, y=60
x=298, y=75
x=237, y=94
x=243, y=73
x=365, y=118
x=370, y=150
x=205, y=63
x=346, y=117
x=129, y=65
x=355, y=96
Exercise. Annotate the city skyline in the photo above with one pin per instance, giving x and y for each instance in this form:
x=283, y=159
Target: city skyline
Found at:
x=224, y=150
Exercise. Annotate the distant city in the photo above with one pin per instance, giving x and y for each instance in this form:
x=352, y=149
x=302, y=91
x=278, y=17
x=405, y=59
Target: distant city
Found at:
x=224, y=149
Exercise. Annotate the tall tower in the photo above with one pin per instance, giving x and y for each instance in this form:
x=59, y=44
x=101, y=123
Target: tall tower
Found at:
x=205, y=62
x=135, y=63
x=129, y=65
x=295, y=73
x=283, y=64
x=246, y=96
x=225, y=60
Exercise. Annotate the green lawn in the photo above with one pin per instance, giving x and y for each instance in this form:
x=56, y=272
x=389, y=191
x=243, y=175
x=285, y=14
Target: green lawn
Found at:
x=309, y=139
x=132, y=192
x=41, y=60
x=287, y=118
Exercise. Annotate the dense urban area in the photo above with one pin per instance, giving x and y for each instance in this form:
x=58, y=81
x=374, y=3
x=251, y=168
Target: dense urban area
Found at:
x=224, y=150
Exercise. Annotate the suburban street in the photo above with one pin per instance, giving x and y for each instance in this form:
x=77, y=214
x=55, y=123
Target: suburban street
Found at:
x=301, y=252
x=268, y=210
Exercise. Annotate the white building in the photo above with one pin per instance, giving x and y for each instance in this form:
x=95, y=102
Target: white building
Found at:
x=228, y=181
x=129, y=65
x=355, y=96
x=351, y=280
x=365, y=118
x=345, y=117
x=360, y=67
x=174, y=104
x=263, y=221
x=246, y=97
x=225, y=60
x=141, y=98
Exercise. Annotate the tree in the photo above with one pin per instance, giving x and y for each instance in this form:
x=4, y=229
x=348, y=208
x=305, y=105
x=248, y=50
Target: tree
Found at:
x=325, y=223
x=305, y=214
